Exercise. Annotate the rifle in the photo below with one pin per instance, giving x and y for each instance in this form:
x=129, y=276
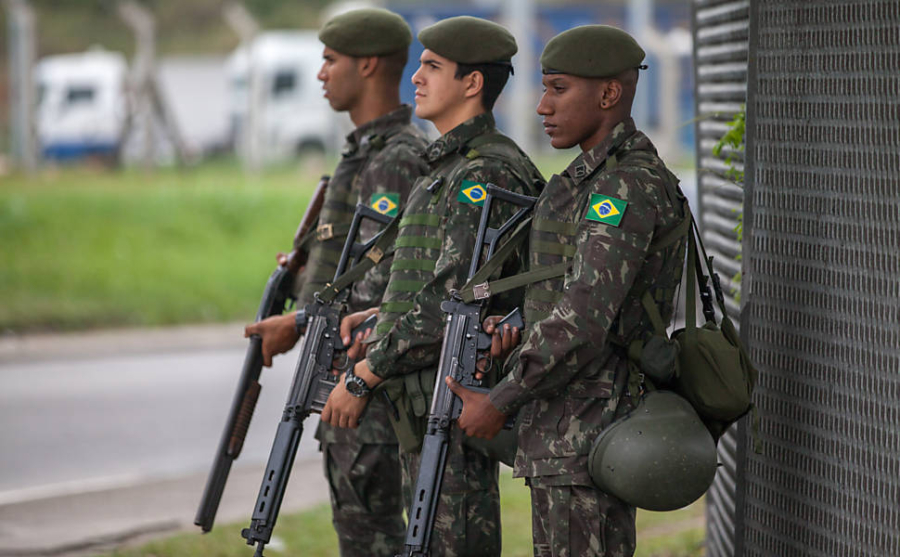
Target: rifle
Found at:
x=313, y=380
x=298, y=255
x=275, y=300
x=463, y=339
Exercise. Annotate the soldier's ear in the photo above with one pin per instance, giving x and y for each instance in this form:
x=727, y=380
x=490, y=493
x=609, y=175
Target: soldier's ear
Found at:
x=474, y=83
x=610, y=93
x=367, y=65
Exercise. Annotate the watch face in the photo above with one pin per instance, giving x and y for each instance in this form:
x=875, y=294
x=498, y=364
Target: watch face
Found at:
x=356, y=386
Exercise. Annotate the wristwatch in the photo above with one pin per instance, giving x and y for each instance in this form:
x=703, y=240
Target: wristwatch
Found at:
x=355, y=385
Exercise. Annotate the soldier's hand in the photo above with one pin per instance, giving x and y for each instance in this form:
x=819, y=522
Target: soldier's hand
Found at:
x=278, y=334
x=283, y=258
x=357, y=350
x=355, y=353
x=479, y=417
x=503, y=340
x=352, y=321
x=342, y=408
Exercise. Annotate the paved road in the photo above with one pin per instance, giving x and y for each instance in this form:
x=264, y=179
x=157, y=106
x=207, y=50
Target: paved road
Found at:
x=127, y=421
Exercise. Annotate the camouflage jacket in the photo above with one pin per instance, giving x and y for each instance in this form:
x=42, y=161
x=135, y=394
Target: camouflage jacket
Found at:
x=410, y=341
x=613, y=200
x=380, y=162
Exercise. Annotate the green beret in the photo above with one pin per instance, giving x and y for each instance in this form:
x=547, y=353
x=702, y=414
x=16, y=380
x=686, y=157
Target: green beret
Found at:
x=366, y=32
x=469, y=40
x=592, y=51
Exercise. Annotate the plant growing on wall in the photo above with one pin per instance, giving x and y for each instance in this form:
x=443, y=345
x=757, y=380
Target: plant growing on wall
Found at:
x=734, y=140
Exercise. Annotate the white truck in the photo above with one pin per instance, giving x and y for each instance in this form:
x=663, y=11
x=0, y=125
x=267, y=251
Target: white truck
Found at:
x=81, y=108
x=289, y=116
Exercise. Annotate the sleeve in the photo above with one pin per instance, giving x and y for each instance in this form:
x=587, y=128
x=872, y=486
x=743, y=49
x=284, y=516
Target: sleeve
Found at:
x=605, y=266
x=415, y=340
x=393, y=172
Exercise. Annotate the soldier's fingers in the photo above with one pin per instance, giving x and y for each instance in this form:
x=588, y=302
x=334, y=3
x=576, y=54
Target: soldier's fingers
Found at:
x=490, y=323
x=349, y=323
x=252, y=329
x=267, y=356
x=281, y=258
x=346, y=328
x=496, y=345
x=507, y=338
x=515, y=337
x=345, y=420
x=326, y=412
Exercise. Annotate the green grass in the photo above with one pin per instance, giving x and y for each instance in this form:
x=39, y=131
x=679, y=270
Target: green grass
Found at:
x=84, y=248
x=309, y=533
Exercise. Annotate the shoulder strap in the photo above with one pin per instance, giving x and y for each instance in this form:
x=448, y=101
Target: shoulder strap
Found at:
x=381, y=249
x=478, y=287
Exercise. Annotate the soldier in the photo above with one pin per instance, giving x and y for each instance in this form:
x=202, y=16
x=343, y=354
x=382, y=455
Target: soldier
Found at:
x=604, y=215
x=465, y=65
x=364, y=56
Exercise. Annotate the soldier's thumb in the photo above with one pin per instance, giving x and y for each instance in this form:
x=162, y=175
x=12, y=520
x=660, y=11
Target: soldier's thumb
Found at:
x=456, y=388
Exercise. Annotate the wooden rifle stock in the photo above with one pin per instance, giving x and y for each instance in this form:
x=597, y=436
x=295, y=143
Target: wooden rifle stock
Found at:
x=297, y=258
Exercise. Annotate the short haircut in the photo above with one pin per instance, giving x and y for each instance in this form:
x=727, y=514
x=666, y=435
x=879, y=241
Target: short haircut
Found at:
x=495, y=77
x=395, y=63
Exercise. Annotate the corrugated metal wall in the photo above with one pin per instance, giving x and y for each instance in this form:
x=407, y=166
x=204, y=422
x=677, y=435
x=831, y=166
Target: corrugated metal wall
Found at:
x=822, y=291
x=721, y=32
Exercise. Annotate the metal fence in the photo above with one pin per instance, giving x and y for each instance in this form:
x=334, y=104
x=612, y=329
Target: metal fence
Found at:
x=721, y=31
x=822, y=291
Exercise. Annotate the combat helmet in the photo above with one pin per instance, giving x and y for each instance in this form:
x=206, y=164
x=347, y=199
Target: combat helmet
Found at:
x=659, y=457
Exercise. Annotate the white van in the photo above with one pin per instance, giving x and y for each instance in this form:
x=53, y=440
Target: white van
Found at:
x=292, y=115
x=81, y=107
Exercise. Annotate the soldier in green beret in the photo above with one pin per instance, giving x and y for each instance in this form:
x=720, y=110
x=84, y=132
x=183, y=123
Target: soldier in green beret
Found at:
x=364, y=56
x=465, y=65
x=610, y=216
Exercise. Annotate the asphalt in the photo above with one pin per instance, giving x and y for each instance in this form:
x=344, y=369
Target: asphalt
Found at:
x=96, y=521
x=86, y=519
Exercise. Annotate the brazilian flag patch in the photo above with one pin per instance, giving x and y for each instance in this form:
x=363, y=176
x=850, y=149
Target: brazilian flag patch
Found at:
x=473, y=193
x=385, y=203
x=608, y=210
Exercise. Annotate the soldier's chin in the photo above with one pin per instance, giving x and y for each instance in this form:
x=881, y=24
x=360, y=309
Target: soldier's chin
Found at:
x=421, y=111
x=560, y=142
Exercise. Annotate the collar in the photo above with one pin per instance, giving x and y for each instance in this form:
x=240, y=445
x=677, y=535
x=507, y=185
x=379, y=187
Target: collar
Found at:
x=361, y=136
x=589, y=161
x=455, y=139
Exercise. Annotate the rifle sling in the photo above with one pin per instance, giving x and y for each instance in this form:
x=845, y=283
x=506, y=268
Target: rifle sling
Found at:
x=382, y=248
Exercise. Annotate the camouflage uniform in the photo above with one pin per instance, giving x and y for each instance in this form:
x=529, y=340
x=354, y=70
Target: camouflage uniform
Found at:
x=568, y=376
x=433, y=252
x=380, y=157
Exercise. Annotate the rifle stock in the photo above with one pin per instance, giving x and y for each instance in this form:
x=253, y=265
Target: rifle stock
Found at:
x=277, y=293
x=299, y=254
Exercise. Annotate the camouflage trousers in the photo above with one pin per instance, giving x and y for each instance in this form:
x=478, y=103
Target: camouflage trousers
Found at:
x=362, y=467
x=467, y=520
x=579, y=521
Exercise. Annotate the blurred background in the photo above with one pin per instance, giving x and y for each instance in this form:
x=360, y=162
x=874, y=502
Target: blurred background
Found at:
x=165, y=82
x=154, y=157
